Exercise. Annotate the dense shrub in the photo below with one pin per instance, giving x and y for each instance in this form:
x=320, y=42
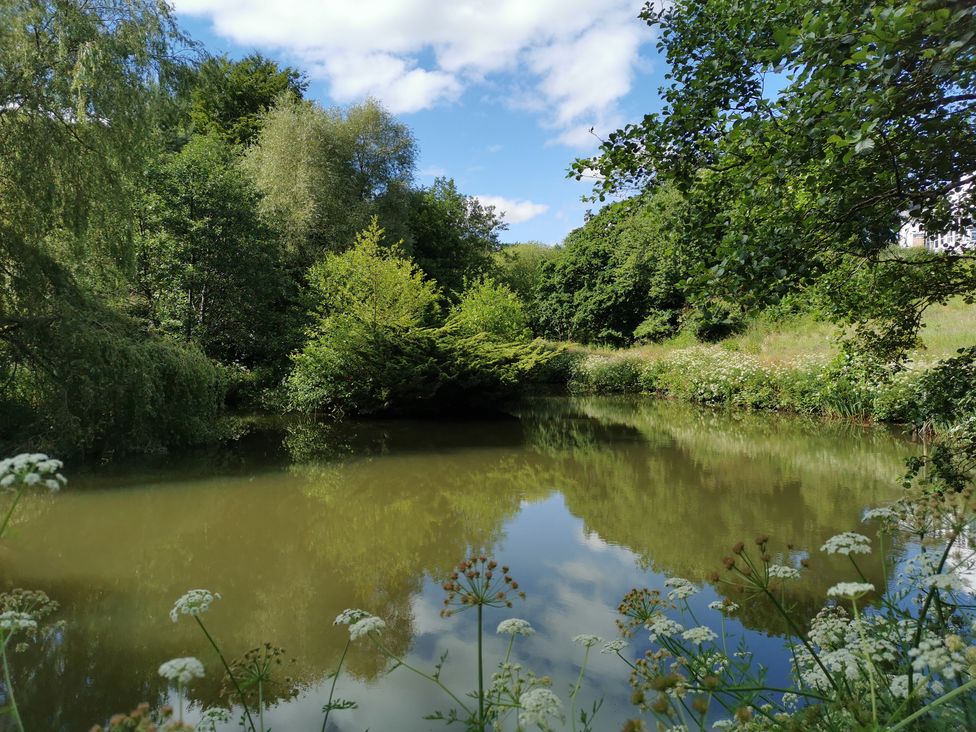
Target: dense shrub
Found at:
x=491, y=308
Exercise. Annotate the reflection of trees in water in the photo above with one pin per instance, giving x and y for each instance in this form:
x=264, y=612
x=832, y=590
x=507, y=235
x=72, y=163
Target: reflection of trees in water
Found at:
x=702, y=481
x=367, y=511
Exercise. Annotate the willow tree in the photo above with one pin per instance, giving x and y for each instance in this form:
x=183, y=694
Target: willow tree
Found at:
x=83, y=87
x=324, y=173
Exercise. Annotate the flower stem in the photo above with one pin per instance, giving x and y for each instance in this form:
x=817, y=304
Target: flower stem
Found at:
x=968, y=686
x=230, y=674
x=481, y=673
x=7, y=683
x=335, y=678
x=576, y=688
x=10, y=511
x=392, y=656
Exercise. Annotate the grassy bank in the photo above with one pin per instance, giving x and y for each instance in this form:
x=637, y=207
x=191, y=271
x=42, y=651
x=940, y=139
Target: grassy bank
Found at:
x=792, y=365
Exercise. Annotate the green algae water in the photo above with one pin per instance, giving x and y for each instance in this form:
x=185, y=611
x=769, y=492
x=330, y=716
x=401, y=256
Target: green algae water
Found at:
x=584, y=498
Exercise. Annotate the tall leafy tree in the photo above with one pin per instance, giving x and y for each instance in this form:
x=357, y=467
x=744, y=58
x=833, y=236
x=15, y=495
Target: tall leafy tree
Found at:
x=803, y=134
x=230, y=97
x=82, y=88
x=453, y=236
x=623, y=265
x=209, y=268
x=324, y=172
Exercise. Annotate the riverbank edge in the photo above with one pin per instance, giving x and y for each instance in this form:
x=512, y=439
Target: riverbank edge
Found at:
x=842, y=387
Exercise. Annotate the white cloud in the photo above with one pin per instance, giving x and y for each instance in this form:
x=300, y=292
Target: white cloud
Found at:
x=569, y=60
x=433, y=171
x=512, y=211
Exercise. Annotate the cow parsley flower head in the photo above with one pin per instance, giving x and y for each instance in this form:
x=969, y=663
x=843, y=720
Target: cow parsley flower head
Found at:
x=365, y=626
x=780, y=571
x=681, y=588
x=614, y=646
x=515, y=626
x=587, y=640
x=31, y=469
x=538, y=706
x=723, y=606
x=882, y=513
x=211, y=718
x=850, y=590
x=194, y=602
x=949, y=581
x=663, y=627
x=350, y=616
x=11, y=621
x=182, y=670
x=699, y=635
x=847, y=543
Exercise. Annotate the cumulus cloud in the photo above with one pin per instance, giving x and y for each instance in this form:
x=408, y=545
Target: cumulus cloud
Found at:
x=569, y=60
x=513, y=211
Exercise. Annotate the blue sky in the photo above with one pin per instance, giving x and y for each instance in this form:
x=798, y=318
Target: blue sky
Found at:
x=500, y=94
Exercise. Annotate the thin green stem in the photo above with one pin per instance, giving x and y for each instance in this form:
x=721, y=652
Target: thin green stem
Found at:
x=10, y=511
x=870, y=663
x=576, y=687
x=400, y=662
x=179, y=700
x=968, y=686
x=481, y=673
x=9, y=685
x=261, y=704
x=230, y=674
x=335, y=678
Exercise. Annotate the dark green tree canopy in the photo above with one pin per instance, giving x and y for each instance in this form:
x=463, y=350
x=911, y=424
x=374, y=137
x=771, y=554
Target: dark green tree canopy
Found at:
x=230, y=97
x=803, y=133
x=453, y=235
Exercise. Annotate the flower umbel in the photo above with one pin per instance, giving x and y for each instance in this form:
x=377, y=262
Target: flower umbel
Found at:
x=515, y=626
x=850, y=590
x=182, y=670
x=538, y=706
x=847, y=543
x=363, y=627
x=194, y=602
x=479, y=581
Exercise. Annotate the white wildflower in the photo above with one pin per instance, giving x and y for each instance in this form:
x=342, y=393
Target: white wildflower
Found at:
x=31, y=469
x=12, y=621
x=587, y=640
x=613, y=646
x=934, y=655
x=699, y=635
x=369, y=624
x=194, y=602
x=847, y=543
x=182, y=670
x=850, y=590
x=948, y=581
x=882, y=513
x=779, y=571
x=211, y=718
x=723, y=606
x=681, y=589
x=538, y=706
x=349, y=616
x=515, y=626
x=663, y=627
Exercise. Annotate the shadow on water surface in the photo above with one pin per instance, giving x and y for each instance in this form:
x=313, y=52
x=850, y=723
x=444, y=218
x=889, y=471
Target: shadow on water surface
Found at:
x=585, y=497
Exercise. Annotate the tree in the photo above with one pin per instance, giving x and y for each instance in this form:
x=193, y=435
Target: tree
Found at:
x=453, y=235
x=83, y=86
x=208, y=267
x=324, y=173
x=230, y=98
x=803, y=135
x=622, y=266
x=372, y=347
x=519, y=266
x=487, y=307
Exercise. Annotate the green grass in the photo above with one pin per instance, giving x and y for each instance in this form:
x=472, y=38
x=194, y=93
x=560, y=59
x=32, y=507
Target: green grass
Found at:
x=947, y=328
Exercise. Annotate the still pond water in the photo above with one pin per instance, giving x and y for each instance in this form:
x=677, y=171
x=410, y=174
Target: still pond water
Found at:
x=585, y=498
